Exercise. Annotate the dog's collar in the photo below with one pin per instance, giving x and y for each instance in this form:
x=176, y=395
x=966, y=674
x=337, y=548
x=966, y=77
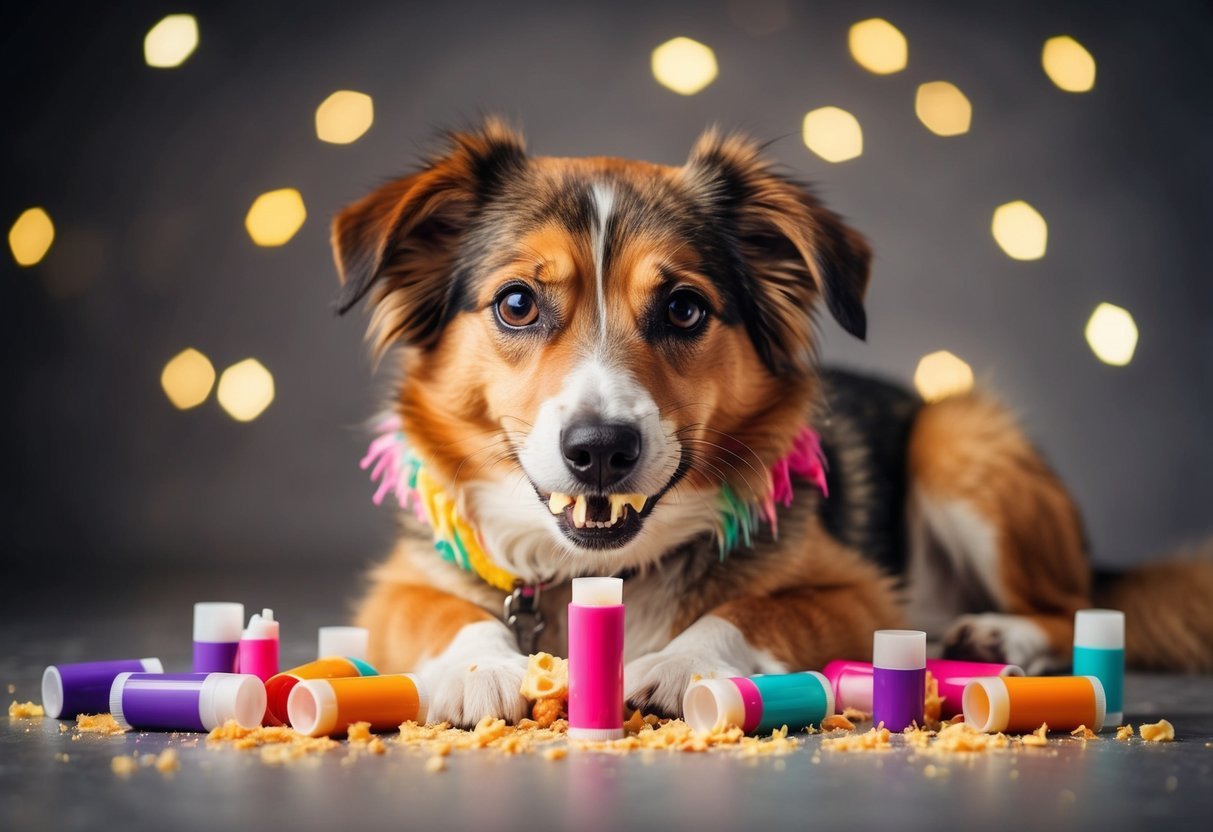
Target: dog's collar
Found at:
x=400, y=472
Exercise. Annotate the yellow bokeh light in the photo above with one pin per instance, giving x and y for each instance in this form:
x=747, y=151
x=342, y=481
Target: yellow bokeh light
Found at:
x=1020, y=231
x=187, y=379
x=344, y=116
x=275, y=216
x=942, y=374
x=833, y=134
x=1112, y=334
x=1068, y=64
x=683, y=65
x=246, y=390
x=171, y=41
x=943, y=108
x=31, y=236
x=878, y=46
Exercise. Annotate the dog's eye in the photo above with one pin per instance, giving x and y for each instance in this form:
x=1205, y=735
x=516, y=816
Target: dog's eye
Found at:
x=517, y=308
x=685, y=310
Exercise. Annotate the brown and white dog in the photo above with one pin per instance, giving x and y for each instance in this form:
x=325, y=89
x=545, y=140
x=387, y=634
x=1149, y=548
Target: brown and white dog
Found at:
x=573, y=329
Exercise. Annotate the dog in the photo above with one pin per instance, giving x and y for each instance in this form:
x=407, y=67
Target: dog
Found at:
x=605, y=366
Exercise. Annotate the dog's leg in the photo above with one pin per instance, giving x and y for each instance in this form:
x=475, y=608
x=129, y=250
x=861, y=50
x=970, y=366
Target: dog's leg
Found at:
x=1010, y=534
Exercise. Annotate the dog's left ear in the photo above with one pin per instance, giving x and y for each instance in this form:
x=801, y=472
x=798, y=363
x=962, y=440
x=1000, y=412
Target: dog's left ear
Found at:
x=793, y=249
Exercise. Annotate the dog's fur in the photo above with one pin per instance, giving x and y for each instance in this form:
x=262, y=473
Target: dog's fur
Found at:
x=941, y=516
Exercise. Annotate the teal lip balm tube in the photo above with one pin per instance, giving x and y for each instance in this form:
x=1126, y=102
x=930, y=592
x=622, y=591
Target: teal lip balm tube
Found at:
x=1099, y=650
x=758, y=704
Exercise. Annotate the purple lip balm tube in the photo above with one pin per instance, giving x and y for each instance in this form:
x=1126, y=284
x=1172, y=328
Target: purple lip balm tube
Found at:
x=899, y=670
x=218, y=626
x=84, y=688
x=186, y=701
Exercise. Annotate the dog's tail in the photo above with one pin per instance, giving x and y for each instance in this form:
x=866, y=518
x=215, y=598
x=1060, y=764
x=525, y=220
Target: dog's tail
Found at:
x=1168, y=608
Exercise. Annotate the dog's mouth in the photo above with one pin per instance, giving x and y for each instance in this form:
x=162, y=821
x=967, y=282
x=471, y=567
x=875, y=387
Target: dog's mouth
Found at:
x=595, y=521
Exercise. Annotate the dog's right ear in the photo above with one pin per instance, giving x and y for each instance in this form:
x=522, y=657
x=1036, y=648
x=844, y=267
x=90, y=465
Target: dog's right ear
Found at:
x=400, y=243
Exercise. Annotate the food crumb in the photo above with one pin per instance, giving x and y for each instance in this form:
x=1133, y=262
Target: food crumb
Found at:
x=555, y=753
x=1161, y=731
x=547, y=711
x=547, y=677
x=1084, y=733
x=1037, y=738
x=11, y=689
x=856, y=715
x=98, y=724
x=359, y=732
x=63, y=757
x=376, y=746
x=876, y=739
x=435, y=764
x=837, y=722
x=1172, y=783
x=1124, y=732
x=62, y=727
x=167, y=761
x=932, y=771
x=123, y=765
x=24, y=710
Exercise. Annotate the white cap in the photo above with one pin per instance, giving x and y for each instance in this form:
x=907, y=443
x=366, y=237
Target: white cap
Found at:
x=218, y=621
x=343, y=641
x=711, y=705
x=52, y=692
x=598, y=592
x=899, y=649
x=1102, y=629
x=262, y=625
x=238, y=696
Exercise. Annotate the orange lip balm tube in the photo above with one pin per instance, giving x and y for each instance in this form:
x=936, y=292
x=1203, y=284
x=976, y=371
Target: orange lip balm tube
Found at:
x=1018, y=704
x=323, y=707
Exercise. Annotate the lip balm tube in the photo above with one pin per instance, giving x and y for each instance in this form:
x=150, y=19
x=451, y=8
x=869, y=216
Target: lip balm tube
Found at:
x=1021, y=704
x=596, y=659
x=1099, y=650
x=278, y=688
x=852, y=681
x=320, y=707
x=84, y=688
x=217, y=629
x=186, y=701
x=758, y=704
x=899, y=669
x=258, y=651
x=343, y=641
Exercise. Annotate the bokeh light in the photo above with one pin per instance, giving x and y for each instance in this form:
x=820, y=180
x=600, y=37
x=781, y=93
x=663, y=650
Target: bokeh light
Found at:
x=246, y=390
x=31, y=236
x=878, y=46
x=833, y=134
x=1020, y=231
x=1068, y=64
x=344, y=116
x=275, y=216
x=1112, y=334
x=943, y=108
x=187, y=379
x=683, y=65
x=171, y=41
x=942, y=374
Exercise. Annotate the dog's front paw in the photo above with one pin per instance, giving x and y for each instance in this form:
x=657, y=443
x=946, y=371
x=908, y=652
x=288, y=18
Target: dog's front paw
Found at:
x=478, y=676
x=1000, y=638
x=656, y=683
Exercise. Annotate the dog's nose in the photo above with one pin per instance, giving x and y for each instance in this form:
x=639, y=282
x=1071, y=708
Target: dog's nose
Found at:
x=600, y=454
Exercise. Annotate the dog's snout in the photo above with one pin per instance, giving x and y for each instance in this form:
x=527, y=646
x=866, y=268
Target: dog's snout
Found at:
x=600, y=454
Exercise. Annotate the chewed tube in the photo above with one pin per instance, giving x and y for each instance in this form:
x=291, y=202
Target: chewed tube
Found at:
x=325, y=707
x=1022, y=703
x=278, y=688
x=758, y=704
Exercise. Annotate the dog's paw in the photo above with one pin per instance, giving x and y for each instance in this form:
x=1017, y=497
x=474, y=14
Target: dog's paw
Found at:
x=656, y=683
x=479, y=675
x=1004, y=639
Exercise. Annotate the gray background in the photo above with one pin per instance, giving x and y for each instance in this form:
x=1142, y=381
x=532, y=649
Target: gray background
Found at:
x=148, y=175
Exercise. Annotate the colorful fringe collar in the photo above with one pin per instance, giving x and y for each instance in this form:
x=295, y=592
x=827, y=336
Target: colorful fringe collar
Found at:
x=400, y=472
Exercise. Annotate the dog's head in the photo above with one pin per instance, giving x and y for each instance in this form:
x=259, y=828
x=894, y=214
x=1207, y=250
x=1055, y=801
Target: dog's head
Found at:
x=589, y=344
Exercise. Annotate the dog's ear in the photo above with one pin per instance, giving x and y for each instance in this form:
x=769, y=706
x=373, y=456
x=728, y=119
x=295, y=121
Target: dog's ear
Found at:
x=793, y=250
x=400, y=243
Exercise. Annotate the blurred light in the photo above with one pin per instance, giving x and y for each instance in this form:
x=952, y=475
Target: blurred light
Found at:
x=245, y=390
x=878, y=46
x=171, y=41
x=187, y=379
x=943, y=108
x=275, y=217
x=942, y=374
x=31, y=236
x=833, y=134
x=1068, y=64
x=1020, y=231
x=686, y=66
x=344, y=116
x=1112, y=334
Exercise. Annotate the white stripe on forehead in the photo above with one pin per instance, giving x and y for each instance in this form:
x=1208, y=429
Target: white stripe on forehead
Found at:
x=604, y=203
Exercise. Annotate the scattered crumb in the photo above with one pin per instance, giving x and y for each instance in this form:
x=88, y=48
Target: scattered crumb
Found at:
x=123, y=765
x=359, y=732
x=856, y=715
x=959, y=737
x=932, y=702
x=876, y=739
x=1084, y=733
x=930, y=771
x=376, y=746
x=278, y=744
x=635, y=723
x=24, y=710
x=1037, y=738
x=98, y=724
x=1124, y=732
x=836, y=722
x=435, y=764
x=555, y=753
x=11, y=689
x=1172, y=783
x=547, y=711
x=1161, y=731
x=488, y=729
x=62, y=727
x=547, y=677
x=167, y=761
x=63, y=757
x=472, y=667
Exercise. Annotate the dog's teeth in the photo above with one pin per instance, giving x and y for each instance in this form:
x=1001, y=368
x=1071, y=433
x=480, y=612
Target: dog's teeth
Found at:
x=579, y=509
x=557, y=502
x=618, y=501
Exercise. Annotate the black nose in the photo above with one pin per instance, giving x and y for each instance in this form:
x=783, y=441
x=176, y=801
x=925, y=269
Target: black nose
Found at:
x=600, y=454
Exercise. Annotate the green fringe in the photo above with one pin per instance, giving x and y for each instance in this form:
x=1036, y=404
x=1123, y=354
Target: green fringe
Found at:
x=737, y=521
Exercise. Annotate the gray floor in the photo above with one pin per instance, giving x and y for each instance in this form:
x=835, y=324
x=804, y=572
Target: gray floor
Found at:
x=1101, y=785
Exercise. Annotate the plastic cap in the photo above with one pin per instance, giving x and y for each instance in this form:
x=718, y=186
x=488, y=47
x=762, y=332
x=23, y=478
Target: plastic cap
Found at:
x=598, y=592
x=899, y=649
x=1101, y=629
x=238, y=696
x=312, y=708
x=116, y=700
x=152, y=665
x=52, y=692
x=713, y=704
x=262, y=625
x=218, y=621
x=343, y=641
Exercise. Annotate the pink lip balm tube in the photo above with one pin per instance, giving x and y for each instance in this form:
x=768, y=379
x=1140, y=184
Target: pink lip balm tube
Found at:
x=899, y=670
x=259, y=646
x=852, y=681
x=217, y=629
x=596, y=659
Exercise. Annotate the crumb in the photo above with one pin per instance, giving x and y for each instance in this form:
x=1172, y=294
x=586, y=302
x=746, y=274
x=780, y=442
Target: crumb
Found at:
x=1161, y=731
x=123, y=766
x=1124, y=732
x=277, y=744
x=472, y=667
x=837, y=722
x=376, y=746
x=167, y=761
x=1084, y=733
x=62, y=727
x=555, y=753
x=932, y=702
x=856, y=715
x=1037, y=738
x=359, y=732
x=962, y=738
x=24, y=710
x=1172, y=783
x=62, y=757
x=435, y=764
x=547, y=711
x=547, y=677
x=956, y=720
x=98, y=724
x=12, y=689
x=876, y=739
x=931, y=771
x=635, y=723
